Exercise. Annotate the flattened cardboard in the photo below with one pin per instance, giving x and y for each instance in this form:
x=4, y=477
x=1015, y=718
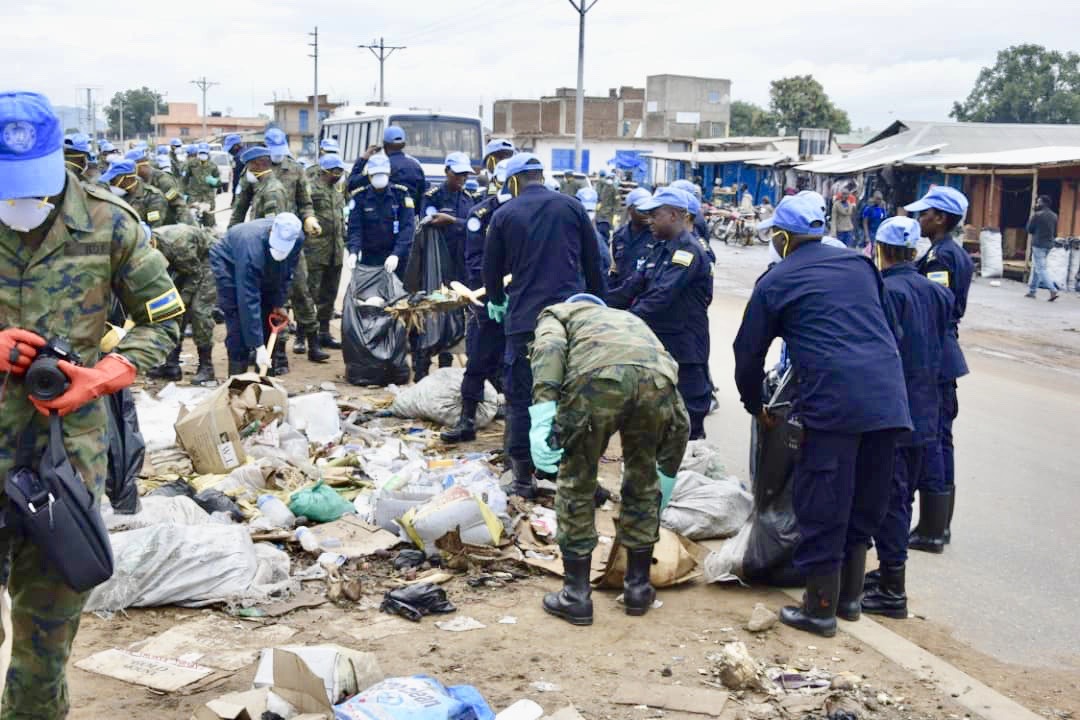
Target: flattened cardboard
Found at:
x=672, y=697
x=353, y=537
x=673, y=564
x=156, y=673
x=216, y=642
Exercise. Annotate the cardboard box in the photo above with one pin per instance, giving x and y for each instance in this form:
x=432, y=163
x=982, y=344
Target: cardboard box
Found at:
x=210, y=434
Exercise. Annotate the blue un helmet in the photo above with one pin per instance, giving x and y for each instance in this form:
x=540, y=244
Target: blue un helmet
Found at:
x=31, y=147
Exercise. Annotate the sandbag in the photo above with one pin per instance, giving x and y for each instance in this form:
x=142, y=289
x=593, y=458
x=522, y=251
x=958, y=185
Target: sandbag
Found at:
x=373, y=343
x=703, y=458
x=156, y=510
x=990, y=253
x=702, y=508
x=431, y=267
x=437, y=398
x=126, y=453
x=1057, y=264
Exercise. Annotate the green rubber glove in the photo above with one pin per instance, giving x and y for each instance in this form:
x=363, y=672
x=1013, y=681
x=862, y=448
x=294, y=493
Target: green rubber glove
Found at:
x=212, y=181
x=542, y=416
x=497, y=312
x=667, y=485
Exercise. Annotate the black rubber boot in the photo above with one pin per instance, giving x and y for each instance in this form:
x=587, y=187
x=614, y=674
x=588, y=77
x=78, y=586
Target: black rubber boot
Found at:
x=889, y=598
x=314, y=351
x=849, y=606
x=279, y=362
x=299, y=347
x=326, y=339
x=638, y=592
x=524, y=485
x=817, y=614
x=238, y=367
x=205, y=372
x=170, y=369
x=465, y=430
x=872, y=580
x=421, y=364
x=574, y=602
x=929, y=534
x=948, y=520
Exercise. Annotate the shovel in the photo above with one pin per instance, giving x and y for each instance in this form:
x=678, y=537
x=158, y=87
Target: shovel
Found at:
x=475, y=295
x=277, y=322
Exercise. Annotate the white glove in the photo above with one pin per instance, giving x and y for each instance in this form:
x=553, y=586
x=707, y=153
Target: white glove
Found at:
x=262, y=357
x=312, y=227
x=350, y=261
x=391, y=263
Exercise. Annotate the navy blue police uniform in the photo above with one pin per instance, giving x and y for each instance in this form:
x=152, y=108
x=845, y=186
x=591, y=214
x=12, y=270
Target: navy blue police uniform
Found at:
x=629, y=250
x=485, y=340
x=440, y=199
x=404, y=170
x=381, y=224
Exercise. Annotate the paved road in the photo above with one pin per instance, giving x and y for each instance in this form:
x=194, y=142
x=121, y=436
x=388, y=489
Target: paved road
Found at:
x=1007, y=585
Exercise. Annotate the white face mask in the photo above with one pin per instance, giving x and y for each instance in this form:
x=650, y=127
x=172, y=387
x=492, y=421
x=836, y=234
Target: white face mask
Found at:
x=774, y=256
x=112, y=157
x=251, y=177
x=278, y=254
x=203, y=156
x=117, y=190
x=591, y=214
x=504, y=196
x=380, y=181
x=277, y=157
x=24, y=214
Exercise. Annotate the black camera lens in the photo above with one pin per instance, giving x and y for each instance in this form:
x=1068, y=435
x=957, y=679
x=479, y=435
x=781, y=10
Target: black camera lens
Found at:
x=44, y=379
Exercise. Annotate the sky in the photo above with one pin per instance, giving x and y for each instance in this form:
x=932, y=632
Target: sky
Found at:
x=879, y=61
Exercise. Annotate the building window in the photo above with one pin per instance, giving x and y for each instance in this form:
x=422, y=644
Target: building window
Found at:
x=184, y=131
x=304, y=121
x=714, y=98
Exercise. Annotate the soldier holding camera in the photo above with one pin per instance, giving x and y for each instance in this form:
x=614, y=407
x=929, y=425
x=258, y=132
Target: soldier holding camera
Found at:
x=66, y=249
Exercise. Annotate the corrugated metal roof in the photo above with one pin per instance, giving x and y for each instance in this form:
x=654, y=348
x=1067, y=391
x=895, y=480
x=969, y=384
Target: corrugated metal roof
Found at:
x=774, y=159
x=1024, y=157
x=711, y=157
x=876, y=155
x=745, y=140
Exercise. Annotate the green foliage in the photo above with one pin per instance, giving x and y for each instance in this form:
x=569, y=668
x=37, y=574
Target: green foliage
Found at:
x=1027, y=84
x=138, y=108
x=800, y=102
x=750, y=119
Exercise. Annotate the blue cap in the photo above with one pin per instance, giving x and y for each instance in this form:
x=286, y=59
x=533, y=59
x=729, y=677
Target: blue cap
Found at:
x=635, y=196
x=275, y=137
x=31, y=147
x=458, y=163
x=377, y=164
x=586, y=297
x=162, y=150
x=802, y=214
x=499, y=145
x=899, y=231
x=116, y=169
x=523, y=162
x=693, y=205
x=393, y=134
x=471, y=185
x=79, y=142
x=602, y=172
x=329, y=145
x=943, y=198
x=106, y=147
x=230, y=142
x=688, y=186
x=140, y=144
x=203, y=147
x=135, y=154
x=175, y=142
x=665, y=196
x=588, y=198
x=253, y=153
x=330, y=161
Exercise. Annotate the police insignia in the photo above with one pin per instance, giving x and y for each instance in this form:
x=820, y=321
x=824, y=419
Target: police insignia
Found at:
x=153, y=216
x=682, y=257
x=171, y=194
x=409, y=203
x=164, y=307
x=473, y=225
x=941, y=277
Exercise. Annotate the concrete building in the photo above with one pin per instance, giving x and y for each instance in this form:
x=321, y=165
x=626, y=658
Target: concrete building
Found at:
x=681, y=106
x=184, y=121
x=618, y=115
x=297, y=119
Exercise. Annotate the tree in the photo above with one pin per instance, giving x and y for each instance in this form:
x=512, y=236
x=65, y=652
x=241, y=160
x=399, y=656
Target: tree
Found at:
x=800, y=102
x=752, y=120
x=1027, y=84
x=138, y=110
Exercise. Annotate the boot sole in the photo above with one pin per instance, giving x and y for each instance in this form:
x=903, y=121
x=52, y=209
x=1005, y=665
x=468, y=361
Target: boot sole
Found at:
x=581, y=622
x=636, y=612
x=826, y=633
x=894, y=614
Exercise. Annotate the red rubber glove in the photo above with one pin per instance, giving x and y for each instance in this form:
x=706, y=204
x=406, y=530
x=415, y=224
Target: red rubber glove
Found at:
x=112, y=373
x=25, y=345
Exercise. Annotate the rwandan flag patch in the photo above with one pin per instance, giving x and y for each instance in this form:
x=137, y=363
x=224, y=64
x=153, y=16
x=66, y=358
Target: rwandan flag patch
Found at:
x=165, y=307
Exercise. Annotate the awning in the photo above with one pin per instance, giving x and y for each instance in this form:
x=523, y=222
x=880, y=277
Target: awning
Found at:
x=712, y=158
x=865, y=159
x=1026, y=157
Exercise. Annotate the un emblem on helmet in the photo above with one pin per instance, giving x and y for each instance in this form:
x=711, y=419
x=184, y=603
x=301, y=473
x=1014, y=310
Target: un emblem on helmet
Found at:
x=19, y=136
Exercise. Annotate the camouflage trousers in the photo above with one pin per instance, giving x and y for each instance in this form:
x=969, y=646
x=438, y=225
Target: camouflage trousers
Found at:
x=199, y=294
x=647, y=412
x=300, y=299
x=323, y=278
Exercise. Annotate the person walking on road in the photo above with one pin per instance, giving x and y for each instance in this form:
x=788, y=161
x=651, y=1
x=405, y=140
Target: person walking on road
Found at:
x=1043, y=229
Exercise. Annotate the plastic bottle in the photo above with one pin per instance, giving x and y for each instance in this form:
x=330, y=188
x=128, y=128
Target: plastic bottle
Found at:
x=307, y=539
x=276, y=512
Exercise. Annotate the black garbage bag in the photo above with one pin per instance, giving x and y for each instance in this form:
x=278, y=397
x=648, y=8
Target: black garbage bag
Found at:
x=409, y=558
x=373, y=343
x=430, y=267
x=126, y=452
x=774, y=533
x=173, y=488
x=213, y=501
x=416, y=601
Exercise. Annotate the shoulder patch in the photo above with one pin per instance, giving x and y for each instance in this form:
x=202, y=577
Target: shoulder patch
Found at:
x=409, y=202
x=941, y=277
x=473, y=224
x=166, y=306
x=431, y=192
x=171, y=194
x=100, y=192
x=682, y=257
x=153, y=216
x=402, y=187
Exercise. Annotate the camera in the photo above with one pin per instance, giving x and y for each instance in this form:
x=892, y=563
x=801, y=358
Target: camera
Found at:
x=44, y=379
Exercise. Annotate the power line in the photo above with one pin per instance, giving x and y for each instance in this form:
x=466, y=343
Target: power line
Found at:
x=381, y=56
x=204, y=85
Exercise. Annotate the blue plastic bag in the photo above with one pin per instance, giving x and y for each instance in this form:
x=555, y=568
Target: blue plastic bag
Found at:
x=419, y=697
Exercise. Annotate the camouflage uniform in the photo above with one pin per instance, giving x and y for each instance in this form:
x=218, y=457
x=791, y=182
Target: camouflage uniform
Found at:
x=608, y=373
x=270, y=199
x=196, y=172
x=608, y=203
x=170, y=188
x=149, y=203
x=60, y=284
x=187, y=248
x=324, y=254
x=174, y=161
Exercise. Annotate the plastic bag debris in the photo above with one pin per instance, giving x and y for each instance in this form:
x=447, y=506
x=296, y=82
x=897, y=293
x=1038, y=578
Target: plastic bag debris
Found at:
x=215, y=501
x=1057, y=264
x=415, y=601
x=317, y=416
x=454, y=509
x=157, y=414
x=409, y=558
x=173, y=488
x=437, y=398
x=157, y=510
x=703, y=458
x=990, y=254
x=126, y=453
x=319, y=503
x=415, y=698
x=373, y=343
x=702, y=508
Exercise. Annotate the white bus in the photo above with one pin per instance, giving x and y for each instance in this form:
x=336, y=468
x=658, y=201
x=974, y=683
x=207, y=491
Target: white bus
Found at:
x=430, y=136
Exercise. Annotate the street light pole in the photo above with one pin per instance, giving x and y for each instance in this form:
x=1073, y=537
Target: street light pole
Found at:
x=579, y=110
x=381, y=57
x=204, y=85
x=315, y=55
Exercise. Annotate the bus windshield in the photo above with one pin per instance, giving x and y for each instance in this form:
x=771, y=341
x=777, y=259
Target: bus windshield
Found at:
x=431, y=139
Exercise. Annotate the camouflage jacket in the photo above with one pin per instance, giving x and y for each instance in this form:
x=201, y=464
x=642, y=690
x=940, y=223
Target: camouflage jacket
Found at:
x=186, y=247
x=291, y=174
x=609, y=201
x=93, y=250
x=329, y=204
x=170, y=188
x=195, y=174
x=573, y=339
x=149, y=203
x=178, y=165
x=270, y=199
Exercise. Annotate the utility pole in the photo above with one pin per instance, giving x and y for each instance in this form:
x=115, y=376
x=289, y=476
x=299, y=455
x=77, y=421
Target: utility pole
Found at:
x=121, y=122
x=91, y=116
x=381, y=56
x=579, y=111
x=315, y=55
x=204, y=85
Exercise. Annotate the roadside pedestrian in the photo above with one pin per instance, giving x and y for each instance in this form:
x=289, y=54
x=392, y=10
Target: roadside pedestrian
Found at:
x=843, y=208
x=598, y=371
x=873, y=215
x=826, y=304
x=1043, y=230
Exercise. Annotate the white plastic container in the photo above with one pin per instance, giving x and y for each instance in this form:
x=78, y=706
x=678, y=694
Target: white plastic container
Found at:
x=307, y=539
x=276, y=512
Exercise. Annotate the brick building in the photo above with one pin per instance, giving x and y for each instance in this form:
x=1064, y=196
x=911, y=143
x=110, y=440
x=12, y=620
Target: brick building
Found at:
x=184, y=121
x=620, y=114
x=297, y=119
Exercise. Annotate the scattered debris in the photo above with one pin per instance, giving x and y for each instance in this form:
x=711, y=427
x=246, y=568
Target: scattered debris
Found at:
x=761, y=619
x=463, y=623
x=672, y=697
x=736, y=668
